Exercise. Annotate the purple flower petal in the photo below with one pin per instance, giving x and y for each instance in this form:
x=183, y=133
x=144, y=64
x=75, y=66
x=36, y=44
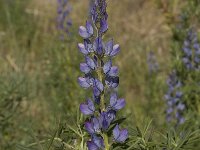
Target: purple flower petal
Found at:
x=108, y=47
x=119, y=105
x=103, y=26
x=84, y=68
x=120, y=136
x=169, y=110
x=105, y=121
x=197, y=59
x=113, y=71
x=89, y=127
x=96, y=92
x=92, y=146
x=116, y=132
x=97, y=99
x=181, y=106
x=113, y=99
x=82, y=49
x=83, y=82
x=88, y=45
x=98, y=141
x=116, y=104
x=89, y=27
x=179, y=94
x=123, y=135
x=99, y=85
x=96, y=124
x=107, y=66
x=115, y=50
x=90, y=62
x=87, y=108
x=112, y=82
x=186, y=60
x=98, y=46
x=86, y=32
x=181, y=120
x=83, y=32
x=111, y=115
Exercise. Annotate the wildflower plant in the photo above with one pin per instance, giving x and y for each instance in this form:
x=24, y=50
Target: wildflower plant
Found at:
x=174, y=100
x=63, y=20
x=102, y=78
x=185, y=55
x=191, y=51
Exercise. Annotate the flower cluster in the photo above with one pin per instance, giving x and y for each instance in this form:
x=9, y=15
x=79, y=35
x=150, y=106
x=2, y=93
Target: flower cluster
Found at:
x=100, y=76
x=175, y=106
x=191, y=51
x=63, y=20
x=152, y=62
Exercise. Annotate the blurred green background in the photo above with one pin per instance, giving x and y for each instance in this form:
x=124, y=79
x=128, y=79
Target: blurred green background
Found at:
x=38, y=72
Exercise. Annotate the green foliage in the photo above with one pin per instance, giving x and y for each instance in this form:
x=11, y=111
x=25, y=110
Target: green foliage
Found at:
x=13, y=93
x=187, y=18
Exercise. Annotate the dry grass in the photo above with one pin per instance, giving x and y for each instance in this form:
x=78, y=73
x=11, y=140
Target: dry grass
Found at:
x=138, y=25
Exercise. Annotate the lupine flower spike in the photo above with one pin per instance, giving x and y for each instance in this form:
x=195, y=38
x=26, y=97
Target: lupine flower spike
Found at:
x=63, y=20
x=175, y=106
x=101, y=77
x=191, y=51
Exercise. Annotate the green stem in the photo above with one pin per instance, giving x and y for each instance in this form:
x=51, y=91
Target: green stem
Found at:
x=100, y=75
x=105, y=137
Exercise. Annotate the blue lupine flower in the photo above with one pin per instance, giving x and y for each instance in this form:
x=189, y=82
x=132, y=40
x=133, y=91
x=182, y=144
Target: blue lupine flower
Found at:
x=196, y=47
x=107, y=66
x=63, y=20
x=85, y=82
x=98, y=140
x=85, y=48
x=100, y=76
x=175, y=106
x=112, y=82
x=87, y=108
x=116, y=104
x=94, y=126
x=191, y=51
x=90, y=62
x=111, y=49
x=99, y=14
x=110, y=70
x=152, y=63
x=92, y=146
x=85, y=68
x=96, y=143
x=105, y=121
x=86, y=32
x=98, y=46
x=120, y=135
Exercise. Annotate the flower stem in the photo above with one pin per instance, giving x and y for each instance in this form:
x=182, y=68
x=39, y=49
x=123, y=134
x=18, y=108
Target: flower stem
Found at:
x=100, y=75
x=105, y=137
